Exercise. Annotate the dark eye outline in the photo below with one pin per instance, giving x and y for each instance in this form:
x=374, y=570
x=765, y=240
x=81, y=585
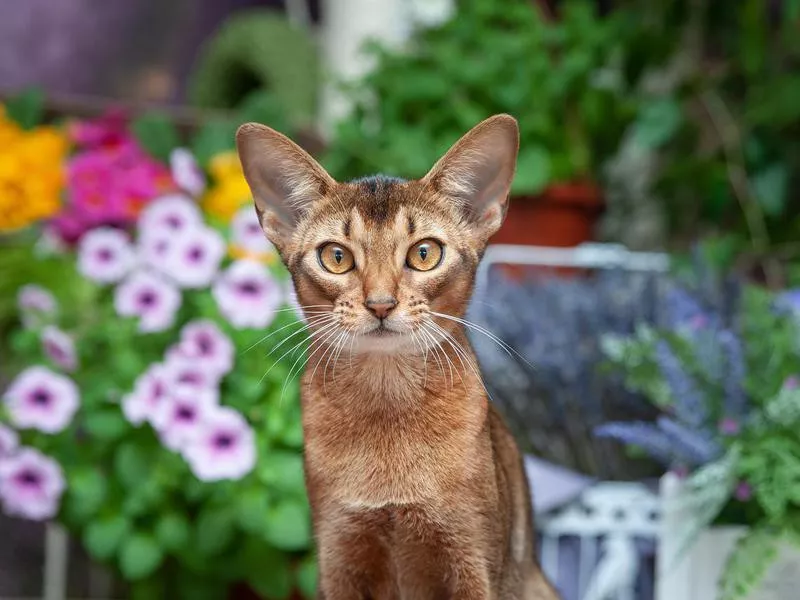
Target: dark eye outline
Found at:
x=439, y=262
x=322, y=247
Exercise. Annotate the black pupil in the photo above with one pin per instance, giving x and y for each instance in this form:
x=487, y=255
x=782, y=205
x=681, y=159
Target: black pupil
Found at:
x=338, y=255
x=423, y=252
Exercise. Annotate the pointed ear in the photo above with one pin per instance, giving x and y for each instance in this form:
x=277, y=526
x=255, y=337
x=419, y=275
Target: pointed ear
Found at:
x=283, y=178
x=477, y=172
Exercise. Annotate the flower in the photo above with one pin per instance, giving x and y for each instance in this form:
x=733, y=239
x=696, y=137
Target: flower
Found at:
x=109, y=129
x=247, y=237
x=223, y=447
x=182, y=371
x=31, y=485
x=230, y=188
x=59, y=347
x=149, y=297
x=743, y=491
x=171, y=214
x=186, y=172
x=194, y=257
x=792, y=382
x=179, y=416
x=35, y=304
x=105, y=255
x=9, y=440
x=204, y=344
x=148, y=393
x=154, y=248
x=246, y=295
x=729, y=426
x=41, y=399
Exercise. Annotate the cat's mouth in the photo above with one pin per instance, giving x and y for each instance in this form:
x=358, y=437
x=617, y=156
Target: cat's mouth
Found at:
x=381, y=331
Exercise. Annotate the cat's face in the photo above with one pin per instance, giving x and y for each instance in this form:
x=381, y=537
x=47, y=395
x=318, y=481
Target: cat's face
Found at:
x=377, y=262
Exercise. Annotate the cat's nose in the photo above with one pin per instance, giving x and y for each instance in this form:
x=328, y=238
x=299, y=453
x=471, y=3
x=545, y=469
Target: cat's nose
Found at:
x=381, y=307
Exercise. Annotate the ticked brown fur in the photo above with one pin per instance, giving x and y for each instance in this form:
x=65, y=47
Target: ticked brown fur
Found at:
x=416, y=486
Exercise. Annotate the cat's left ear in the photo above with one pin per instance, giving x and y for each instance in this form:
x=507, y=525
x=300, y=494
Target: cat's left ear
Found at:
x=284, y=179
x=477, y=172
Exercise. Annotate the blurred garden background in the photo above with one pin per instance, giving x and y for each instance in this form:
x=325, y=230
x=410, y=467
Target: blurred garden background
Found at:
x=636, y=318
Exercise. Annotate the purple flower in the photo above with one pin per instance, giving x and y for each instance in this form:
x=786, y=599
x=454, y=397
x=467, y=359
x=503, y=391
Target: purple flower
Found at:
x=246, y=232
x=35, y=304
x=729, y=426
x=696, y=446
x=148, y=393
x=246, y=295
x=743, y=491
x=154, y=248
x=31, y=485
x=9, y=440
x=59, y=347
x=223, y=447
x=105, y=255
x=791, y=383
x=149, y=297
x=40, y=399
x=641, y=435
x=790, y=300
x=688, y=403
x=194, y=257
x=181, y=371
x=173, y=213
x=181, y=413
x=186, y=173
x=735, y=397
x=204, y=343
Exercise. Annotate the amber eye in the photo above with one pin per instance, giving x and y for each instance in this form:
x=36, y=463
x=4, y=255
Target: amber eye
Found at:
x=424, y=255
x=335, y=258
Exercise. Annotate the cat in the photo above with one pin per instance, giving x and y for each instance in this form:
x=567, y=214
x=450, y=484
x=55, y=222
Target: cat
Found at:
x=417, y=488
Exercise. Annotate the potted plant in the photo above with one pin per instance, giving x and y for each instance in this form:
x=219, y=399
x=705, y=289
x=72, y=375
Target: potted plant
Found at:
x=730, y=402
x=558, y=78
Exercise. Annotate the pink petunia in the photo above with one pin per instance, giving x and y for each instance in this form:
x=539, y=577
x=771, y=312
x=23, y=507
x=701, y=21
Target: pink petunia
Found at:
x=151, y=298
x=186, y=172
x=222, y=447
x=172, y=214
x=9, y=440
x=36, y=305
x=31, y=485
x=204, y=344
x=59, y=347
x=41, y=399
x=105, y=255
x=148, y=392
x=247, y=295
x=182, y=371
x=246, y=232
x=179, y=416
x=194, y=257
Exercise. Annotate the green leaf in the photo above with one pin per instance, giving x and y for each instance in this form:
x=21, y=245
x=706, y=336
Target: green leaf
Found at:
x=140, y=555
x=251, y=509
x=288, y=526
x=657, y=122
x=273, y=580
x=748, y=563
x=215, y=136
x=172, y=531
x=131, y=465
x=26, y=108
x=534, y=171
x=105, y=425
x=87, y=490
x=103, y=536
x=283, y=471
x=771, y=185
x=214, y=530
x=307, y=576
x=157, y=134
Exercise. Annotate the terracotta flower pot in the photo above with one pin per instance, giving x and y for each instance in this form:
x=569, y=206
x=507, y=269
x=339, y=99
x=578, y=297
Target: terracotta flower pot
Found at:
x=562, y=216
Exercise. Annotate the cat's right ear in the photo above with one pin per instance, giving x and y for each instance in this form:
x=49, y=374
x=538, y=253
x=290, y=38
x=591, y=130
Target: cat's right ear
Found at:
x=284, y=179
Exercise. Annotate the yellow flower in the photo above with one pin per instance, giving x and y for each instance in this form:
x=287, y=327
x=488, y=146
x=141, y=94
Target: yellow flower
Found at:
x=31, y=173
x=230, y=190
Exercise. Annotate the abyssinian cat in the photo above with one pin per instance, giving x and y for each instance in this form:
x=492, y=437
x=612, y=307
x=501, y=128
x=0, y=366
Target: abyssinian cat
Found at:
x=416, y=486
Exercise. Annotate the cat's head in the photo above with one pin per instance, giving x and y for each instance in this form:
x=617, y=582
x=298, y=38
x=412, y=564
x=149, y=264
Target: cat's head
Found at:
x=374, y=260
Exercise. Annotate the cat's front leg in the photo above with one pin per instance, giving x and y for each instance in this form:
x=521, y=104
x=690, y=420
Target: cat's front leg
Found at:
x=470, y=581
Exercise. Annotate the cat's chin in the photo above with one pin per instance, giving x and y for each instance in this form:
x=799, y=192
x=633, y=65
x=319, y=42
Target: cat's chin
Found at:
x=384, y=341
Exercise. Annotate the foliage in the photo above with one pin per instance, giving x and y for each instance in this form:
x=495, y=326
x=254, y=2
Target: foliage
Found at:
x=736, y=391
x=560, y=79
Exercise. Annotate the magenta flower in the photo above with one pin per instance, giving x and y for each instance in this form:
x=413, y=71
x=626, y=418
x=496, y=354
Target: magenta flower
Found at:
x=222, y=447
x=109, y=129
x=36, y=305
x=743, y=491
x=729, y=426
x=105, y=255
x=59, y=347
x=179, y=416
x=194, y=257
x=172, y=214
x=41, y=399
x=9, y=440
x=31, y=485
x=791, y=383
x=246, y=295
x=148, y=393
x=246, y=232
x=149, y=297
x=182, y=371
x=186, y=172
x=204, y=344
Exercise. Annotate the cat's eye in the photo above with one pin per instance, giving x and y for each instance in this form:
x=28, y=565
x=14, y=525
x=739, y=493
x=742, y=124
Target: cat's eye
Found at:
x=335, y=258
x=425, y=255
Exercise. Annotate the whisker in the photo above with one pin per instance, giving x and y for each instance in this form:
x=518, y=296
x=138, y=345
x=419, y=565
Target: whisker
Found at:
x=325, y=327
x=269, y=335
x=319, y=321
x=319, y=342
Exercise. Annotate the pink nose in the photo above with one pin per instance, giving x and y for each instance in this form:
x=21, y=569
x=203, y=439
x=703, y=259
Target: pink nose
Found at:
x=380, y=307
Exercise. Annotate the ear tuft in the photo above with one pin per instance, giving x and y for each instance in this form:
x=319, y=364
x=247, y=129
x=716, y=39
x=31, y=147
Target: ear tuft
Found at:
x=284, y=179
x=478, y=170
